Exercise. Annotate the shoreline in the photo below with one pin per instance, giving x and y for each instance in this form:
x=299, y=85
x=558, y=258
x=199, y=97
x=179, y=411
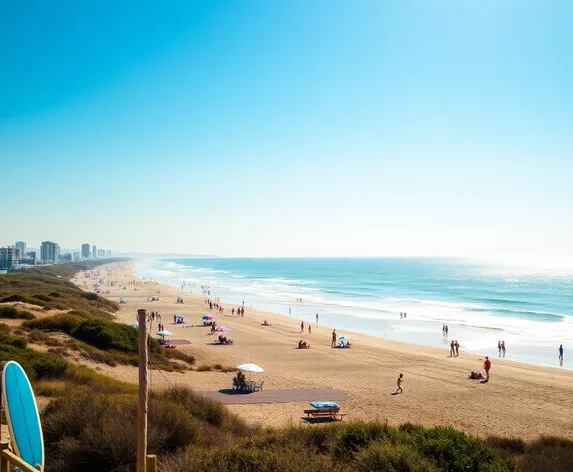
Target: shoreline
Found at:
x=436, y=388
x=414, y=331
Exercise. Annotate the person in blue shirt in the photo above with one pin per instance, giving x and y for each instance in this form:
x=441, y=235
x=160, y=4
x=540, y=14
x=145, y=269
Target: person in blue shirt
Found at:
x=561, y=354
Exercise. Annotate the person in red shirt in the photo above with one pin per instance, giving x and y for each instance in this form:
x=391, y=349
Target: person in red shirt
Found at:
x=487, y=366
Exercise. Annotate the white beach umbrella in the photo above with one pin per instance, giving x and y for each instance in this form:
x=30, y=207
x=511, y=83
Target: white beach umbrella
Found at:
x=250, y=368
x=344, y=338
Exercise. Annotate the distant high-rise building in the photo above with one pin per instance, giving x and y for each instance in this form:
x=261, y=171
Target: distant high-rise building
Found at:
x=32, y=255
x=101, y=253
x=67, y=257
x=49, y=252
x=22, y=246
x=108, y=253
x=85, y=251
x=94, y=252
x=76, y=256
x=9, y=257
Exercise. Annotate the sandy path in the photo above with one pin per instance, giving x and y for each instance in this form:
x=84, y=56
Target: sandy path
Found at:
x=520, y=400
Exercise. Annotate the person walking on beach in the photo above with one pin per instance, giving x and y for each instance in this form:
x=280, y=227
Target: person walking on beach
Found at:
x=486, y=367
x=399, y=384
x=499, y=348
x=503, y=349
x=309, y=330
x=317, y=318
x=289, y=311
x=233, y=311
x=446, y=330
x=405, y=315
x=561, y=355
x=401, y=315
x=457, y=346
x=301, y=326
x=333, y=338
x=452, y=349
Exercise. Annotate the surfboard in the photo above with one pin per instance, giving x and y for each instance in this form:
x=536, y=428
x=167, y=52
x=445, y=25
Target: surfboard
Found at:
x=22, y=415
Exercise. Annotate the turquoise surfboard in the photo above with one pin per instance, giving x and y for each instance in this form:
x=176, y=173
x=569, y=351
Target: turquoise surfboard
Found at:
x=22, y=415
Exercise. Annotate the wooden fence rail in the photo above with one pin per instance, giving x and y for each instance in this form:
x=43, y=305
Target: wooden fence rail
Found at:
x=7, y=459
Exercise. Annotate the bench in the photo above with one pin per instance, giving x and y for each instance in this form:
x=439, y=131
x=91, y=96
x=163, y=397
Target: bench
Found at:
x=325, y=413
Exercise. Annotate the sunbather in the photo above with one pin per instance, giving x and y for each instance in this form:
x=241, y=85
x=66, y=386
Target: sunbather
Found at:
x=476, y=376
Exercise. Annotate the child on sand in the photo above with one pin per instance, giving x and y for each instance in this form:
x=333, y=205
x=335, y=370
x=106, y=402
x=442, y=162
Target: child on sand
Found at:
x=399, y=384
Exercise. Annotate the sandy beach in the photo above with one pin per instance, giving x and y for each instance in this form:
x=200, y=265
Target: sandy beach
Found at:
x=521, y=400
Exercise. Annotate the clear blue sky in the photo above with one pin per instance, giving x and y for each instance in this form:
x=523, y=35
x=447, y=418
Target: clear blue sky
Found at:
x=289, y=127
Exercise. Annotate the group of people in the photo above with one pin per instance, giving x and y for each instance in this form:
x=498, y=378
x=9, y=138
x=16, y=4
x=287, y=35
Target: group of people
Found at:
x=240, y=311
x=303, y=345
x=223, y=339
x=501, y=348
x=403, y=315
x=302, y=327
x=153, y=316
x=445, y=329
x=454, y=348
x=160, y=327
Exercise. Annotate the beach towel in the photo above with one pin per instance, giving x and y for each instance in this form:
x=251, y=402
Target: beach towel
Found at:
x=324, y=405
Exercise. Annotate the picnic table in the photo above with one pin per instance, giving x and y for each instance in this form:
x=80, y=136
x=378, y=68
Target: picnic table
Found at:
x=324, y=410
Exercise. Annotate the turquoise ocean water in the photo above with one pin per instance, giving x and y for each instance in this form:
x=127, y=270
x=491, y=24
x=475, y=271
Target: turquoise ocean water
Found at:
x=528, y=305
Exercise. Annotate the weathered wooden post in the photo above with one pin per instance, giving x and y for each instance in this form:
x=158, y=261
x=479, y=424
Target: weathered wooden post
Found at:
x=142, y=412
x=4, y=446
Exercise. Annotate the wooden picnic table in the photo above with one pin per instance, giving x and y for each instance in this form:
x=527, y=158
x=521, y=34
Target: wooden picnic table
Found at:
x=325, y=413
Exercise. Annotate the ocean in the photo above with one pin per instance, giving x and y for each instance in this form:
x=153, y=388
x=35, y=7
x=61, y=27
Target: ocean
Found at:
x=527, y=305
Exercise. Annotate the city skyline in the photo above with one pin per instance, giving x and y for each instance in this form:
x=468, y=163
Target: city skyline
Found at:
x=294, y=128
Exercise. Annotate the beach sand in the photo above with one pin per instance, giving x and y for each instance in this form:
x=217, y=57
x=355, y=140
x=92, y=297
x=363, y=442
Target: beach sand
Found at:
x=521, y=400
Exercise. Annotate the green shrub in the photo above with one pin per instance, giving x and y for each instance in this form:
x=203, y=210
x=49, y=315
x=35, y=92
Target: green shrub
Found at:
x=107, y=335
x=357, y=436
x=510, y=446
x=454, y=450
x=9, y=312
x=65, y=323
x=19, y=342
x=394, y=458
x=48, y=367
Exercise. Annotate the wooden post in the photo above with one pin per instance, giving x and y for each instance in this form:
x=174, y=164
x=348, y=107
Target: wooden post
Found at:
x=151, y=463
x=142, y=412
x=4, y=465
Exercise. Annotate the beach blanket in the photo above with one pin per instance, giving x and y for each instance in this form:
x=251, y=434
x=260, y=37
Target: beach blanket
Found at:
x=324, y=405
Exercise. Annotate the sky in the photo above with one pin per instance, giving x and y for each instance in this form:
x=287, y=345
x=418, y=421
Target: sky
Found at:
x=289, y=128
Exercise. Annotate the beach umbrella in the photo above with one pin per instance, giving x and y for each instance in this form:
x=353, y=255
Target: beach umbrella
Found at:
x=222, y=329
x=344, y=338
x=134, y=325
x=250, y=368
x=164, y=333
x=207, y=317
